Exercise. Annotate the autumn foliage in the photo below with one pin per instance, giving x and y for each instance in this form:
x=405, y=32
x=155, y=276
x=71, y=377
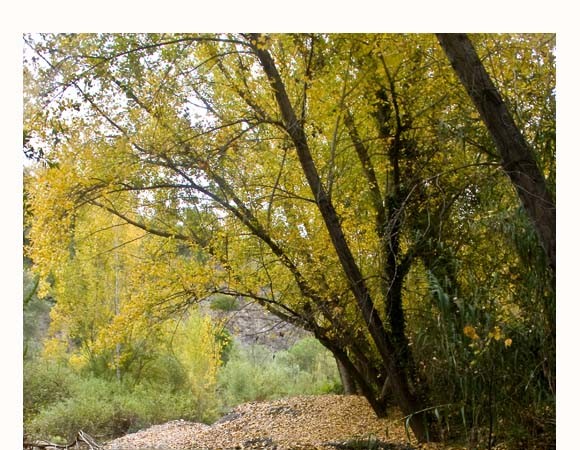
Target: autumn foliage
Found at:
x=344, y=182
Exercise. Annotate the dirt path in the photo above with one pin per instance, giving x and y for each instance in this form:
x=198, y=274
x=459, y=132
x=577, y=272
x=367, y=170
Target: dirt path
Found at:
x=305, y=422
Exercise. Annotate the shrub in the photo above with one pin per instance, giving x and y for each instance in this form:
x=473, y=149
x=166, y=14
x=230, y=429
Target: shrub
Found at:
x=150, y=404
x=175, y=381
x=45, y=383
x=59, y=402
x=163, y=370
x=88, y=406
x=224, y=303
x=256, y=373
x=107, y=409
x=35, y=317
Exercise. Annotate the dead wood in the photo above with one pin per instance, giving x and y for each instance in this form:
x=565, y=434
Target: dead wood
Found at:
x=82, y=440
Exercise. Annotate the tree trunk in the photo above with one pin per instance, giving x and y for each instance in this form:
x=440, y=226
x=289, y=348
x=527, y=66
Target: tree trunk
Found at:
x=348, y=384
x=408, y=402
x=517, y=158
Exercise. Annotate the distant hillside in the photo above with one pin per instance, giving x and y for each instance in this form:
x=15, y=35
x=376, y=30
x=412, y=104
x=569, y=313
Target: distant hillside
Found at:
x=250, y=323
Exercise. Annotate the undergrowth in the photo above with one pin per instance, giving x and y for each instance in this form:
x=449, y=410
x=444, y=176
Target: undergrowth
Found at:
x=59, y=401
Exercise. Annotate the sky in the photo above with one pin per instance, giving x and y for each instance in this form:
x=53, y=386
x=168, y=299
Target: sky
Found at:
x=268, y=16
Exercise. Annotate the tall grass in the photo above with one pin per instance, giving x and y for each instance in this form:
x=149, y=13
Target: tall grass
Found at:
x=486, y=367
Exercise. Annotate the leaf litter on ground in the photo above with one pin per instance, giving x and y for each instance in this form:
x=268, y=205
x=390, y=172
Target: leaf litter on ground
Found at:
x=323, y=422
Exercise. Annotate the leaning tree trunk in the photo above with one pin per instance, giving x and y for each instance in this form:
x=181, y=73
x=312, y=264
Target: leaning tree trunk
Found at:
x=348, y=383
x=409, y=403
x=517, y=158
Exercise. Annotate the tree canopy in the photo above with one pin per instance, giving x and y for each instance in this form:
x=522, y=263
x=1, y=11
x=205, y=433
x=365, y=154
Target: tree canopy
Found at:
x=344, y=182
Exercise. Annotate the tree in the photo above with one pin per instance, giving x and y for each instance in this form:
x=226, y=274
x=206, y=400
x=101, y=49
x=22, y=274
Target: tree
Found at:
x=518, y=160
x=316, y=174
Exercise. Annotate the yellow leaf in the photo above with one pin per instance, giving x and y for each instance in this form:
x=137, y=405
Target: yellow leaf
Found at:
x=470, y=332
x=495, y=333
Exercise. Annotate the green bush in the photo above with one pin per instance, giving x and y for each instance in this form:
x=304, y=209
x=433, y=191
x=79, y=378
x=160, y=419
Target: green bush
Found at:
x=489, y=370
x=107, y=409
x=61, y=421
x=164, y=369
x=59, y=402
x=256, y=373
x=312, y=357
x=88, y=407
x=45, y=383
x=148, y=405
x=35, y=318
x=224, y=303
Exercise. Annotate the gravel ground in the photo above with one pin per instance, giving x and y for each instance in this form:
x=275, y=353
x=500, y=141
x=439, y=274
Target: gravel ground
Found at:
x=305, y=422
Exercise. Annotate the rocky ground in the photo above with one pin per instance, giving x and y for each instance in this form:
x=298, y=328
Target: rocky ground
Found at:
x=305, y=422
x=251, y=324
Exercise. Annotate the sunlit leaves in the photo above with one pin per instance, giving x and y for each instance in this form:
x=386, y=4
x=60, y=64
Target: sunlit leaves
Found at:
x=194, y=344
x=173, y=177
